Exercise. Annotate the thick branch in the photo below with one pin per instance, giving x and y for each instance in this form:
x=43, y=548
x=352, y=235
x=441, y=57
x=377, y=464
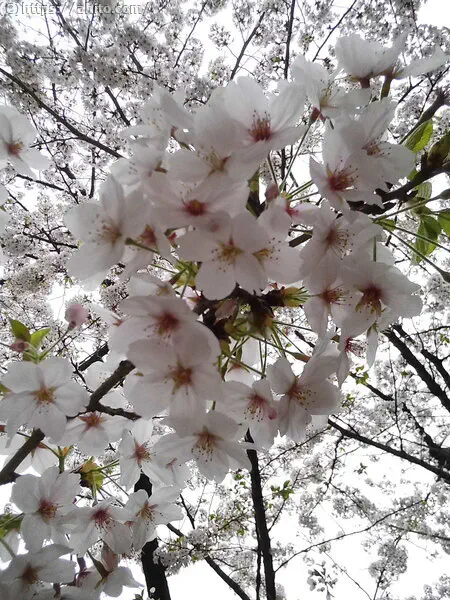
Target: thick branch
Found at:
x=262, y=531
x=349, y=433
x=154, y=571
x=124, y=368
x=7, y=474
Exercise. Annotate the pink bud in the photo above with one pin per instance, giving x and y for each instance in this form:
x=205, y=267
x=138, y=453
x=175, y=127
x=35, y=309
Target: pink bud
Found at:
x=76, y=315
x=19, y=346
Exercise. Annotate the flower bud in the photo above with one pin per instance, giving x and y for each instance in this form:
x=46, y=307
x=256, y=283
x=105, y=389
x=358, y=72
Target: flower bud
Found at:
x=76, y=315
x=19, y=346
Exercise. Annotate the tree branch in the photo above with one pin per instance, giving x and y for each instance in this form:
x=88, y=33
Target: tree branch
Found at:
x=82, y=136
x=215, y=567
x=262, y=531
x=399, y=453
x=7, y=474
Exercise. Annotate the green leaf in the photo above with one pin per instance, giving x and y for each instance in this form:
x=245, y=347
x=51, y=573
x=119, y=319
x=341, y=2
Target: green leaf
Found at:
x=429, y=228
x=420, y=137
x=388, y=224
x=444, y=221
x=20, y=331
x=38, y=336
x=423, y=190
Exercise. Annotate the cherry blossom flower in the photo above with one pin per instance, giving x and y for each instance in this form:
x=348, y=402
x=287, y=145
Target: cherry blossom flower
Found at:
x=214, y=137
x=41, y=396
x=333, y=238
x=210, y=441
x=265, y=122
x=108, y=577
x=150, y=511
x=340, y=179
x=104, y=228
x=178, y=205
x=137, y=454
x=255, y=406
x=26, y=572
x=180, y=378
x=379, y=286
x=378, y=161
x=227, y=256
x=326, y=98
x=76, y=315
x=365, y=59
x=305, y=395
x=138, y=169
x=44, y=500
x=103, y=521
x=160, y=318
x=16, y=135
x=93, y=431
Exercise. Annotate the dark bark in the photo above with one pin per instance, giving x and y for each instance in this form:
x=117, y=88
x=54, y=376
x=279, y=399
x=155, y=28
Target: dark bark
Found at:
x=262, y=531
x=154, y=571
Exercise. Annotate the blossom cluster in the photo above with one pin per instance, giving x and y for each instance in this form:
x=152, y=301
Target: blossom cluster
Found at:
x=188, y=201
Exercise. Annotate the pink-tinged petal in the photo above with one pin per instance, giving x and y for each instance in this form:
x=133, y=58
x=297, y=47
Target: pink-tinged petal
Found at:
x=195, y=246
x=49, y=554
x=316, y=312
x=22, y=377
x=55, y=372
x=50, y=420
x=58, y=571
x=280, y=376
x=34, y=531
x=249, y=273
x=217, y=280
x=247, y=234
x=143, y=532
x=129, y=472
x=25, y=493
x=118, y=538
x=71, y=398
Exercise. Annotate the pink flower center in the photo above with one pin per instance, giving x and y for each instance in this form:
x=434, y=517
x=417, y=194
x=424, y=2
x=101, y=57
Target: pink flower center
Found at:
x=14, y=148
x=181, y=376
x=195, y=208
x=332, y=296
x=102, y=517
x=47, y=510
x=228, y=252
x=146, y=512
x=371, y=299
x=148, y=237
x=260, y=130
x=340, y=180
x=141, y=453
x=166, y=323
x=91, y=420
x=300, y=394
x=30, y=575
x=206, y=442
x=258, y=407
x=44, y=396
x=110, y=233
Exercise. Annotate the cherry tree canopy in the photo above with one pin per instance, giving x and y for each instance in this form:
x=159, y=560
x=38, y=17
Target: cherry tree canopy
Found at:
x=225, y=235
